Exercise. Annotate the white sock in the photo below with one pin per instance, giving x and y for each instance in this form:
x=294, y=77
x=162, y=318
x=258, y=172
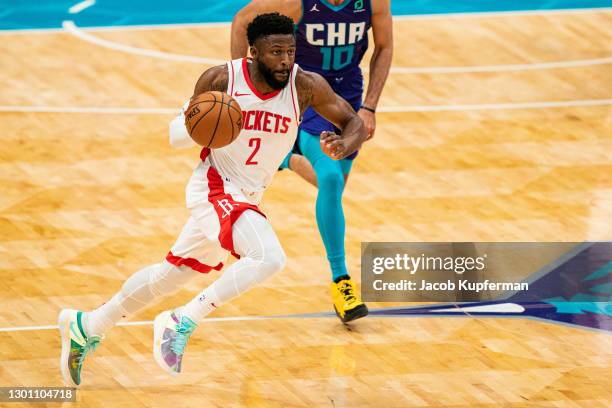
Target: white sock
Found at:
x=201, y=305
x=98, y=321
x=146, y=285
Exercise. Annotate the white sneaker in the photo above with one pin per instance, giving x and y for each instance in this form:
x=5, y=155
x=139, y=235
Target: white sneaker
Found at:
x=76, y=344
x=171, y=331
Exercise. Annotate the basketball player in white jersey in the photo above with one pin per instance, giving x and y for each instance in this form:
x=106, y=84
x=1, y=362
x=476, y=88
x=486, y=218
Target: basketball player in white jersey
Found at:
x=222, y=195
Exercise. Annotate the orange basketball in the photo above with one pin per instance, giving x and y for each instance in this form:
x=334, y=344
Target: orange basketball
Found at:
x=213, y=119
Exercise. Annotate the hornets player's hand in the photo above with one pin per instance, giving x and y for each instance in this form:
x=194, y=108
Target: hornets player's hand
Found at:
x=369, y=121
x=333, y=145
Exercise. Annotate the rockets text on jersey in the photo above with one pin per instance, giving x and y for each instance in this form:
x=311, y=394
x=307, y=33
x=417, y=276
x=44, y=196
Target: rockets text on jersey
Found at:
x=269, y=129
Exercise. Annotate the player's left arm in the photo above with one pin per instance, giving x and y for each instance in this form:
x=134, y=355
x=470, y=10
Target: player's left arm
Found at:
x=314, y=91
x=382, y=30
x=178, y=135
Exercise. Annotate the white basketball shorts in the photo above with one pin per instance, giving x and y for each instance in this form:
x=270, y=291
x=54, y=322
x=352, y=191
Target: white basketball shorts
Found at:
x=215, y=204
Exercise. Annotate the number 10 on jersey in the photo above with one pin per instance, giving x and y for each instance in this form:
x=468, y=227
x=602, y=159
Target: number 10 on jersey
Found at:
x=337, y=57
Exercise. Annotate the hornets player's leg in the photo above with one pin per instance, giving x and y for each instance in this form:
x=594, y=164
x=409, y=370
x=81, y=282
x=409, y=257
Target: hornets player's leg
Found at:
x=331, y=176
x=296, y=162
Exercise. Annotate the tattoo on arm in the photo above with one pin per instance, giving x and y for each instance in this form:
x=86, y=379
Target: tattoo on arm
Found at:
x=304, y=87
x=213, y=79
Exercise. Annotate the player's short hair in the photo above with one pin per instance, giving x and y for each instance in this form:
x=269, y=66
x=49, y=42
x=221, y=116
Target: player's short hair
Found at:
x=269, y=24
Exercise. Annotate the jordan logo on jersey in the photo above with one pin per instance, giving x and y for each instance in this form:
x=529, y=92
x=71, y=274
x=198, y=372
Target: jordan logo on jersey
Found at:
x=265, y=121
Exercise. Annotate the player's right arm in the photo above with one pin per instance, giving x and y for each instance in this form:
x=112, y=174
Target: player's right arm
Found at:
x=239, y=42
x=213, y=79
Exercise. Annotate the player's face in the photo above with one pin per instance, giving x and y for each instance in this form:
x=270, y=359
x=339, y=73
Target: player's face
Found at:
x=275, y=56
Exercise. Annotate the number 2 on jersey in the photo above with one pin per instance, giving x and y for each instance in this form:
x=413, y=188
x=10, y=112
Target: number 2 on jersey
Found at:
x=254, y=142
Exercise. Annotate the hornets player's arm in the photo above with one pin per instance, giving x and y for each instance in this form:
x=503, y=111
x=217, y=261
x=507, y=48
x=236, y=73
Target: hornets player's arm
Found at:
x=239, y=42
x=213, y=79
x=314, y=91
x=380, y=63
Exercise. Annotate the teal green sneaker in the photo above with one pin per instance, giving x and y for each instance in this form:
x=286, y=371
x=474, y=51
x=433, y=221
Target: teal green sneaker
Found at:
x=76, y=344
x=171, y=331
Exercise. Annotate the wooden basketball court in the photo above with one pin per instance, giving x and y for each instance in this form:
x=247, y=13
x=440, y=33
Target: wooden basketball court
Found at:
x=91, y=192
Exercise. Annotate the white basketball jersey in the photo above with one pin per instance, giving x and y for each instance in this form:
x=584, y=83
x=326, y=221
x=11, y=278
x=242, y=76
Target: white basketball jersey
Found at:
x=269, y=129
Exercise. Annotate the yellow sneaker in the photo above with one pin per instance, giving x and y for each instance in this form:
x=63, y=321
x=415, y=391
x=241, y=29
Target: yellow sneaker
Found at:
x=347, y=304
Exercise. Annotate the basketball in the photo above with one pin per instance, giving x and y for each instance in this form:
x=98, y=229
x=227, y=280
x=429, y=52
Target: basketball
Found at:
x=213, y=119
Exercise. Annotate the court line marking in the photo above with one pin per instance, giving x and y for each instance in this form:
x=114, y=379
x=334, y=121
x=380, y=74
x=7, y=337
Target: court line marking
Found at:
x=71, y=28
x=205, y=320
x=495, y=106
x=77, y=8
x=321, y=315
x=508, y=13
x=382, y=109
x=502, y=67
x=475, y=14
x=91, y=109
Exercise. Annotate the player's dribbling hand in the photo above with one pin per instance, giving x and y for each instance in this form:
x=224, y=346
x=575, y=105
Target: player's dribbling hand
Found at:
x=333, y=145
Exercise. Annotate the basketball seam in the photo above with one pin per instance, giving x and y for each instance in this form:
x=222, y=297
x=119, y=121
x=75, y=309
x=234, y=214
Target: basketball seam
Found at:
x=239, y=124
x=229, y=106
x=224, y=103
x=212, y=138
x=201, y=117
x=233, y=107
x=231, y=121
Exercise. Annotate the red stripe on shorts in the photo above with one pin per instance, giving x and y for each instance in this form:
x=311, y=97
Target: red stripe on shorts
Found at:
x=228, y=210
x=192, y=263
